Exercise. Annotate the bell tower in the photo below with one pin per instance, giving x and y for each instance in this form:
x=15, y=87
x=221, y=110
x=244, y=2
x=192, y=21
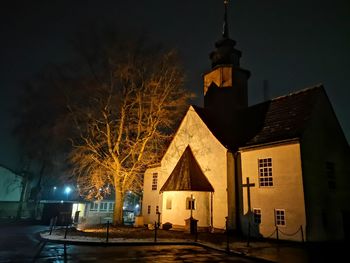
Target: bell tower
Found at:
x=226, y=84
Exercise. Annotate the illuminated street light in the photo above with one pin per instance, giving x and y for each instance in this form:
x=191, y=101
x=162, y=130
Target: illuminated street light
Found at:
x=54, y=192
x=67, y=190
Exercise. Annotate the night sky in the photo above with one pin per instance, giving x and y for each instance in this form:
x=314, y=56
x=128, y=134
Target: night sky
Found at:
x=291, y=43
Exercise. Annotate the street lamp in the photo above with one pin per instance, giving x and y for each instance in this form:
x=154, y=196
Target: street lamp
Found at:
x=67, y=190
x=54, y=192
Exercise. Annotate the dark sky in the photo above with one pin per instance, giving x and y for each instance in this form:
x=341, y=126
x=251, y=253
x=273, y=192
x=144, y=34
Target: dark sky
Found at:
x=291, y=43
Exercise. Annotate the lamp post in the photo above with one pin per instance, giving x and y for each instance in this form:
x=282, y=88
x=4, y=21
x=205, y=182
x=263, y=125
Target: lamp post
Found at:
x=67, y=190
x=54, y=192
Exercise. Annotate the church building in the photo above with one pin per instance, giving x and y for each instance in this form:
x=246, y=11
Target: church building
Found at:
x=278, y=169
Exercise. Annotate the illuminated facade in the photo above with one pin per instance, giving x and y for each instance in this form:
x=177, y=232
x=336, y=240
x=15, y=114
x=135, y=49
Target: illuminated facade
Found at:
x=277, y=169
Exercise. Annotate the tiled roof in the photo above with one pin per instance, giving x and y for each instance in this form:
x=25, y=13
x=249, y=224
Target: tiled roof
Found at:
x=282, y=118
x=187, y=176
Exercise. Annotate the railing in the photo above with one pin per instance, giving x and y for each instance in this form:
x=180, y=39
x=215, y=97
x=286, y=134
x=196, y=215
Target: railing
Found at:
x=278, y=231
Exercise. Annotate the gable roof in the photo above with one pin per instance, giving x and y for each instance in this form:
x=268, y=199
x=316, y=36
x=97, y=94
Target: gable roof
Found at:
x=282, y=118
x=187, y=176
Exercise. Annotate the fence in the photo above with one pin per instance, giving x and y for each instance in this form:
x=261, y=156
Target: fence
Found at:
x=277, y=232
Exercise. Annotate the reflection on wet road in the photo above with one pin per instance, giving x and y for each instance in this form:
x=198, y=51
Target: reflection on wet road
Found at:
x=19, y=243
x=183, y=253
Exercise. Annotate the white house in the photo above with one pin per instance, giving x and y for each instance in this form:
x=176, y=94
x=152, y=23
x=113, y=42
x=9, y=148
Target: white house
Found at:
x=10, y=192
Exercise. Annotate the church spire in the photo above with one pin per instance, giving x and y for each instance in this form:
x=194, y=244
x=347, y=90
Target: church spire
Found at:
x=226, y=85
x=225, y=53
x=225, y=25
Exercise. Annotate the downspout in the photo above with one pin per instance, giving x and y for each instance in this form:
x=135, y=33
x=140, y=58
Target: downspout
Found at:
x=211, y=211
x=238, y=175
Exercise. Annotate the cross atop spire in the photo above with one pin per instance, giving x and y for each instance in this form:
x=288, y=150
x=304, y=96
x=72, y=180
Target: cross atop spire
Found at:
x=225, y=53
x=225, y=25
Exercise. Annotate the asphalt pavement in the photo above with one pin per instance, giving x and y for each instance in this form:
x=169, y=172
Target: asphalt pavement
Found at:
x=22, y=243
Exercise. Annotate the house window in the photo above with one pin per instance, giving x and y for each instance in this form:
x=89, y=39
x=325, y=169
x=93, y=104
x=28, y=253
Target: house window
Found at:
x=154, y=181
x=149, y=209
x=190, y=203
x=103, y=206
x=280, y=217
x=111, y=207
x=157, y=209
x=168, y=203
x=265, y=172
x=257, y=215
x=330, y=172
x=94, y=206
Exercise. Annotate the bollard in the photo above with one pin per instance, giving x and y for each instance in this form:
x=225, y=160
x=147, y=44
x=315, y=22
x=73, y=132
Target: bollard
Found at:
x=51, y=225
x=107, y=234
x=248, y=239
x=227, y=237
x=302, y=234
x=155, y=231
x=65, y=233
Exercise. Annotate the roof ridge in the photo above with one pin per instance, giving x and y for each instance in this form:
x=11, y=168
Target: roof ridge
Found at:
x=317, y=86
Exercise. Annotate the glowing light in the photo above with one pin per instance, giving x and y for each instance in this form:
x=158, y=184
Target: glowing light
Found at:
x=67, y=190
x=137, y=206
x=54, y=188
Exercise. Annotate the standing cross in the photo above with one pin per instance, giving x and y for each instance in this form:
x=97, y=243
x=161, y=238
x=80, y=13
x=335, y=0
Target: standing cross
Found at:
x=248, y=185
x=191, y=204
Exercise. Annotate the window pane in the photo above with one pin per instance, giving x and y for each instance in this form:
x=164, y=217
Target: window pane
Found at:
x=168, y=203
x=154, y=181
x=265, y=172
x=280, y=217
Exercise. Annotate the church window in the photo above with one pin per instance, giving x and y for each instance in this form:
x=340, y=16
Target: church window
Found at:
x=149, y=209
x=168, y=203
x=330, y=172
x=154, y=181
x=257, y=215
x=103, y=206
x=265, y=172
x=190, y=203
x=280, y=217
x=94, y=206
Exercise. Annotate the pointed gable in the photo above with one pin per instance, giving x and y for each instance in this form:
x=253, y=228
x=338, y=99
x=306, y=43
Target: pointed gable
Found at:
x=282, y=118
x=187, y=176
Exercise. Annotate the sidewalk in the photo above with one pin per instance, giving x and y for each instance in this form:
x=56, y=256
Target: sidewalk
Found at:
x=268, y=251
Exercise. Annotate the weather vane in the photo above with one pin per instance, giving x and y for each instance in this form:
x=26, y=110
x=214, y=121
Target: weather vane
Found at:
x=225, y=25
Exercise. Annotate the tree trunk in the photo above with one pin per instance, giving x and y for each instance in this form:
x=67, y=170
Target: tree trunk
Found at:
x=23, y=192
x=118, y=208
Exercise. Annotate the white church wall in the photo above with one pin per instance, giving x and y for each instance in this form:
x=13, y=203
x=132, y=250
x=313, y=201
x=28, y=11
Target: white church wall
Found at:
x=209, y=153
x=325, y=158
x=175, y=209
x=151, y=197
x=286, y=194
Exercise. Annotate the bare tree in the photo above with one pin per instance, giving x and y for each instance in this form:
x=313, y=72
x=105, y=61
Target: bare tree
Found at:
x=126, y=121
x=40, y=128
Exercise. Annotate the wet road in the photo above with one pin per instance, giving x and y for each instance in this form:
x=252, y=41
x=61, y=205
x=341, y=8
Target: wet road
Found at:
x=57, y=253
x=19, y=244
